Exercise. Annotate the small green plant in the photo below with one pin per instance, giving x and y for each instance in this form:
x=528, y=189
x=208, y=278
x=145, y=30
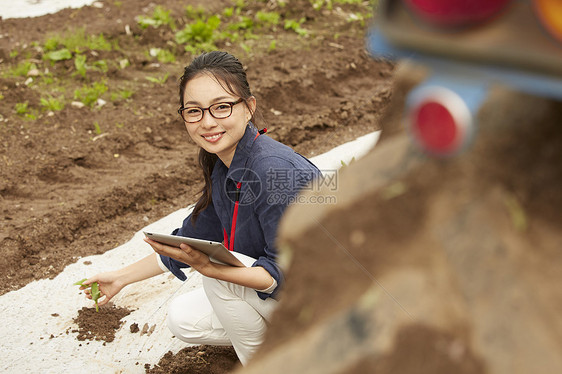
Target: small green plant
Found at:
x=163, y=55
x=14, y=53
x=272, y=46
x=23, y=68
x=344, y=164
x=228, y=12
x=47, y=79
x=121, y=95
x=160, y=81
x=199, y=35
x=97, y=128
x=52, y=103
x=94, y=290
x=80, y=65
x=160, y=17
x=89, y=95
x=58, y=55
x=194, y=13
x=21, y=108
x=268, y=18
x=51, y=44
x=296, y=26
x=245, y=23
x=101, y=65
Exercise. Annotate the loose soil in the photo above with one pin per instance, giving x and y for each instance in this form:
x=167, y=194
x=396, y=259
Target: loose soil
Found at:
x=197, y=360
x=68, y=176
x=101, y=324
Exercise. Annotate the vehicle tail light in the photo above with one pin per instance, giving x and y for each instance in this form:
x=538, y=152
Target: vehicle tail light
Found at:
x=439, y=120
x=550, y=15
x=455, y=13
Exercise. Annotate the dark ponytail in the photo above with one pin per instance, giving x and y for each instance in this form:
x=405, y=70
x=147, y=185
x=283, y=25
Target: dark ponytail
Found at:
x=229, y=72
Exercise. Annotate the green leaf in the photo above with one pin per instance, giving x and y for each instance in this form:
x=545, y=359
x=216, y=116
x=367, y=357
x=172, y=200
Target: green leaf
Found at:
x=61, y=54
x=95, y=292
x=80, y=65
x=79, y=283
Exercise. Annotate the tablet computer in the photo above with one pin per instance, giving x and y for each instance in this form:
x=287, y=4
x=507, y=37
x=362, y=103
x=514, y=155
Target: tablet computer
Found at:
x=215, y=250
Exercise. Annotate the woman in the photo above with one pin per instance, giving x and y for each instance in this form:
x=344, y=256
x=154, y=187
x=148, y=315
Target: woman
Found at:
x=241, y=203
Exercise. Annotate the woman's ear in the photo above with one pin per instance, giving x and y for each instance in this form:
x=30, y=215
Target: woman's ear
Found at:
x=251, y=107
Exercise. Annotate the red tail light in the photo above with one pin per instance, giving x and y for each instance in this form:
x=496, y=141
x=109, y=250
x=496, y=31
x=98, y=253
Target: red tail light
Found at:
x=451, y=13
x=439, y=120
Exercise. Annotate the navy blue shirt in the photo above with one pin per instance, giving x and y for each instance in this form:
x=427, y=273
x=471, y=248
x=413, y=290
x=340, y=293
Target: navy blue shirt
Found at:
x=271, y=175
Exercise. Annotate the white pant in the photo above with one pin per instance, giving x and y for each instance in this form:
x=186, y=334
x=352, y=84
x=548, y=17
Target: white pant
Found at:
x=222, y=313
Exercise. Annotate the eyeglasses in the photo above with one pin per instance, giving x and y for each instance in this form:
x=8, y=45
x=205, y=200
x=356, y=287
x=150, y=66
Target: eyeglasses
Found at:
x=194, y=114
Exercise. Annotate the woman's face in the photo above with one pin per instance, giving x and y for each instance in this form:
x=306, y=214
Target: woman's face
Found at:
x=219, y=136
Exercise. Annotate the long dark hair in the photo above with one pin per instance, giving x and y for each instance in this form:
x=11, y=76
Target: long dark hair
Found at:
x=229, y=72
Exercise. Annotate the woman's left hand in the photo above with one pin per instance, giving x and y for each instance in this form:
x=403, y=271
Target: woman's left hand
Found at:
x=186, y=254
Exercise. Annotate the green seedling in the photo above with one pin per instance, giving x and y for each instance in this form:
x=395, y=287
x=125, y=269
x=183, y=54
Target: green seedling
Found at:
x=121, y=95
x=245, y=23
x=228, y=12
x=80, y=65
x=160, y=17
x=199, y=32
x=194, y=13
x=94, y=290
x=101, y=65
x=159, y=81
x=23, y=68
x=58, y=55
x=97, y=128
x=163, y=55
x=52, y=103
x=296, y=26
x=268, y=18
x=21, y=108
x=272, y=46
x=89, y=95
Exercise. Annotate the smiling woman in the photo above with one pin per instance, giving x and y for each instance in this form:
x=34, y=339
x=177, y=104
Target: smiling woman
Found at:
x=239, y=165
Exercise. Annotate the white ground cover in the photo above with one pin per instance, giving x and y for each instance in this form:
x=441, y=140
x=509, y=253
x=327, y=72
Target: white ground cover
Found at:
x=37, y=321
x=35, y=8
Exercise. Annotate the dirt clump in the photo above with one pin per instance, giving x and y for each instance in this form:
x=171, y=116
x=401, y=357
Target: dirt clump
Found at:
x=99, y=325
x=197, y=360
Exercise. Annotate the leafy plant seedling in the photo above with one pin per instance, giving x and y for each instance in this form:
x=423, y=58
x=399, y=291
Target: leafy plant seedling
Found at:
x=94, y=290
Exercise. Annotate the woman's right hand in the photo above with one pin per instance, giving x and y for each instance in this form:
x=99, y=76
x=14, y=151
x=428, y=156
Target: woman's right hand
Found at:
x=109, y=285
x=111, y=282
